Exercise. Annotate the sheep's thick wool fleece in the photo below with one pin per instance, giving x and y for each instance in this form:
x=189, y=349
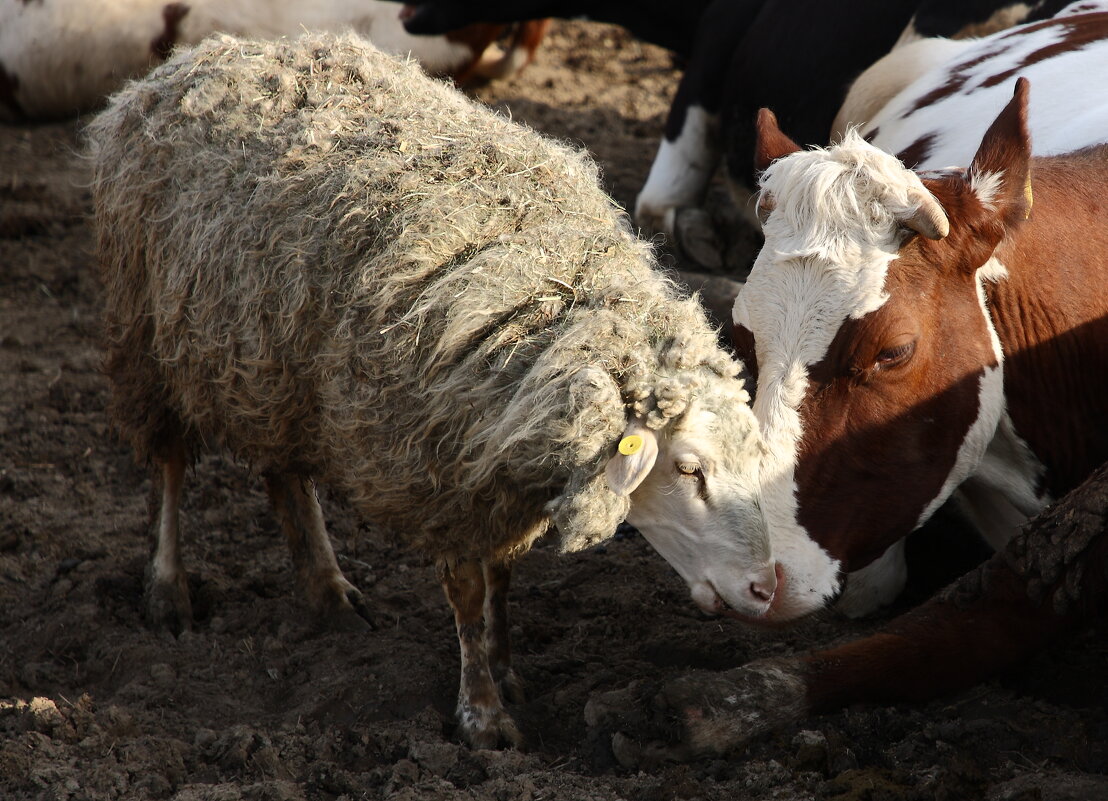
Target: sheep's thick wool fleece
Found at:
x=318, y=257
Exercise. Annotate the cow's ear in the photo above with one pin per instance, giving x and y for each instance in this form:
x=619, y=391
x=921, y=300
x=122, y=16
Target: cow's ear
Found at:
x=772, y=144
x=1000, y=174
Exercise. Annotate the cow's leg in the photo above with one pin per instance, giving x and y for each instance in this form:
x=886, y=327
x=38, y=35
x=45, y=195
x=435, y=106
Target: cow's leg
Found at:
x=1052, y=577
x=336, y=601
x=167, y=590
x=495, y=64
x=690, y=150
x=937, y=648
x=481, y=713
x=875, y=585
x=497, y=637
x=681, y=171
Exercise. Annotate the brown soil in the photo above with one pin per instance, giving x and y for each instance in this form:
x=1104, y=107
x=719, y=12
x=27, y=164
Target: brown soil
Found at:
x=257, y=703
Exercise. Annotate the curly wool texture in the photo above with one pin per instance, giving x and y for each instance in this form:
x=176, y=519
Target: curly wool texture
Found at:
x=323, y=260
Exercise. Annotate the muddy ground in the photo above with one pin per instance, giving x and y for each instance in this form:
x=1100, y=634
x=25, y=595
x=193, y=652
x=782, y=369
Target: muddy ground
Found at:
x=258, y=703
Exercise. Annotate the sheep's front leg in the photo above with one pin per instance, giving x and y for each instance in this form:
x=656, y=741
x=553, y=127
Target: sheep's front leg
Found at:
x=167, y=589
x=497, y=636
x=335, y=600
x=481, y=713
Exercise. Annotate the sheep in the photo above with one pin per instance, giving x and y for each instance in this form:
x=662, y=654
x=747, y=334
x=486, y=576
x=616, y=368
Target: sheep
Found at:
x=62, y=57
x=343, y=271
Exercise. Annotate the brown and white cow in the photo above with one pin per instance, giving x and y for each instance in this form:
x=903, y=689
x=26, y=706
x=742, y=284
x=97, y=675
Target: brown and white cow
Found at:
x=62, y=57
x=885, y=383
x=915, y=334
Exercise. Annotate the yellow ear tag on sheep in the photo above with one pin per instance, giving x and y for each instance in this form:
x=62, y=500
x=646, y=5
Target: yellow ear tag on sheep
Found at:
x=630, y=445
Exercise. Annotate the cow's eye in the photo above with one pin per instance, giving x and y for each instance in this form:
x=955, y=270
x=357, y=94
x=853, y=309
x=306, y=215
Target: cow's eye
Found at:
x=689, y=469
x=895, y=356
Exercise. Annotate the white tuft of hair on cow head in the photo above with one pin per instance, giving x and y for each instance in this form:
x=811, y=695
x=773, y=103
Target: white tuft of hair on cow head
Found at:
x=986, y=185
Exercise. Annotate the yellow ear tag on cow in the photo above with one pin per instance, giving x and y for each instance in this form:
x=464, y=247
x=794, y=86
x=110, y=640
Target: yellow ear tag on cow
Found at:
x=1028, y=196
x=631, y=444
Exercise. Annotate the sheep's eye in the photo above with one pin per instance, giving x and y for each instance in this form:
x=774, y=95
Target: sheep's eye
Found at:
x=895, y=356
x=688, y=468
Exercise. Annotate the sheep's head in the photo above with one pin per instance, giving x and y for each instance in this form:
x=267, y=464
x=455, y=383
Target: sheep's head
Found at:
x=697, y=505
x=687, y=480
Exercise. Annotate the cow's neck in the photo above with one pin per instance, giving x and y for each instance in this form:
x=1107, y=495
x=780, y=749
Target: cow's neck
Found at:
x=1051, y=314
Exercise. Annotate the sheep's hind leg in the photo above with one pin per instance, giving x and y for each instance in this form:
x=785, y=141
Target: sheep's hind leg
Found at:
x=481, y=713
x=497, y=637
x=336, y=601
x=167, y=591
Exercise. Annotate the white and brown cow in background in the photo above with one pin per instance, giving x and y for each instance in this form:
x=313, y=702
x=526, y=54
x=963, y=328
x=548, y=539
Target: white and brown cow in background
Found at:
x=62, y=57
x=917, y=334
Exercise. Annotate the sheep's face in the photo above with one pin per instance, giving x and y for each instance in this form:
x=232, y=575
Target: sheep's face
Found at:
x=697, y=505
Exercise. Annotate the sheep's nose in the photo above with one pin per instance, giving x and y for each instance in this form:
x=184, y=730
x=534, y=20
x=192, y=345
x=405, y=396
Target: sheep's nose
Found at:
x=764, y=585
x=762, y=592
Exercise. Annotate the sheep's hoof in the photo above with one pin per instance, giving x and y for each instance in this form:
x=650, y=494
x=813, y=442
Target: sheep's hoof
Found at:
x=167, y=604
x=511, y=687
x=489, y=728
x=337, y=604
x=349, y=612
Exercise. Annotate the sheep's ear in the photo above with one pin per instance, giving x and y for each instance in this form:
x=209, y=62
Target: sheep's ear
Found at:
x=638, y=450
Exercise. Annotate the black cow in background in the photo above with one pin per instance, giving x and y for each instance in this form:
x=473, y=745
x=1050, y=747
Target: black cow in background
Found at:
x=659, y=22
x=797, y=57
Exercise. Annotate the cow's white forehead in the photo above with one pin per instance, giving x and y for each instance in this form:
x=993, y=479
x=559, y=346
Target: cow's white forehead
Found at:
x=829, y=241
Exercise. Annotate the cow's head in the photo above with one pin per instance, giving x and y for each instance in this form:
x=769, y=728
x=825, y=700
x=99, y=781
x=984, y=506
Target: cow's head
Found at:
x=879, y=378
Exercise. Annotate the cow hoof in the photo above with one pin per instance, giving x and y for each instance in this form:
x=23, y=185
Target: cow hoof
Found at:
x=696, y=237
x=511, y=687
x=489, y=729
x=640, y=738
x=718, y=712
x=698, y=714
x=167, y=605
x=652, y=221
